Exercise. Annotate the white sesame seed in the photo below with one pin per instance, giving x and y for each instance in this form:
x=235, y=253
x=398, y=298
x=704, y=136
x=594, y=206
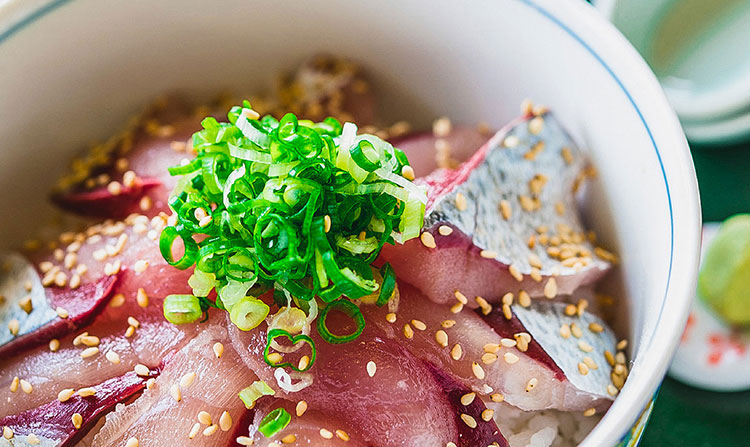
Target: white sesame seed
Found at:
x=142, y=370
x=86, y=392
x=575, y=330
x=7, y=432
x=524, y=299
x=408, y=331
x=225, y=421
x=133, y=322
x=468, y=398
x=129, y=331
x=511, y=141
x=505, y=209
x=75, y=281
x=441, y=337
x=583, y=369
x=54, y=345
x=301, y=408
x=390, y=317
x=371, y=368
x=428, y=240
x=536, y=125
x=488, y=414
x=32, y=439
x=510, y=358
x=461, y=203
x=456, y=352
x=113, y=357
x=26, y=387
x=210, y=430
x=244, y=440
x=585, y=347
x=497, y=397
x=468, y=420
x=89, y=352
x=461, y=297
x=418, y=325
x=117, y=300
x=174, y=391
x=445, y=230
x=204, y=418
x=508, y=342
x=407, y=172
x=326, y=434
x=150, y=383
x=187, y=379
x=14, y=326
x=194, y=430
x=447, y=324
x=114, y=188
x=515, y=273
x=488, y=254
x=477, y=370
x=589, y=412
x=456, y=308
x=550, y=289
x=14, y=384
x=289, y=439
x=90, y=340
x=341, y=434
x=77, y=420
x=140, y=266
x=622, y=344
x=218, y=349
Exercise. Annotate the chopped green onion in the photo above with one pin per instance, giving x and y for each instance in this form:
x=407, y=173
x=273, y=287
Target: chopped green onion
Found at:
x=388, y=286
x=258, y=389
x=273, y=334
x=182, y=309
x=348, y=308
x=274, y=422
x=287, y=205
x=248, y=313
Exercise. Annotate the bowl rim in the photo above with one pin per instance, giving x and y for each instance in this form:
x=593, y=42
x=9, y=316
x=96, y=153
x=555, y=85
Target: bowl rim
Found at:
x=599, y=38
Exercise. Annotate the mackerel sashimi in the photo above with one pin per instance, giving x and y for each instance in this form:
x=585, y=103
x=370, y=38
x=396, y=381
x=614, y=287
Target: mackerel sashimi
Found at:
x=505, y=220
x=344, y=386
x=130, y=330
x=500, y=366
x=193, y=401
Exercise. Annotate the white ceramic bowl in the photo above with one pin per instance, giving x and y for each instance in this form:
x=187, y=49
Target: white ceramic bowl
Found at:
x=73, y=70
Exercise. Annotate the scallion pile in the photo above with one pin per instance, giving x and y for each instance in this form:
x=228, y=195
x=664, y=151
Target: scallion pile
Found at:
x=290, y=206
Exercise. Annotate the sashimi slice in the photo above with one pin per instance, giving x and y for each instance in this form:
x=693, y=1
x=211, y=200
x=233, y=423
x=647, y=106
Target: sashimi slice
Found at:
x=490, y=363
x=132, y=176
x=205, y=382
x=427, y=150
x=401, y=404
x=55, y=424
x=114, y=348
x=28, y=310
x=504, y=221
x=574, y=346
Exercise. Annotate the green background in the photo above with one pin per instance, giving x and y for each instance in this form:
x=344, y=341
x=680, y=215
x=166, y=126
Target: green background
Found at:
x=686, y=416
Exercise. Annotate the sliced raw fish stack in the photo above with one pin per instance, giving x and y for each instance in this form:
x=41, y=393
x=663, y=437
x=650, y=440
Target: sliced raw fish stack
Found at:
x=31, y=314
x=107, y=348
x=129, y=173
x=493, y=364
x=401, y=404
x=505, y=220
x=439, y=148
x=193, y=380
x=62, y=424
x=574, y=347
